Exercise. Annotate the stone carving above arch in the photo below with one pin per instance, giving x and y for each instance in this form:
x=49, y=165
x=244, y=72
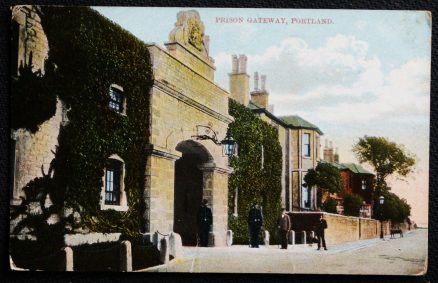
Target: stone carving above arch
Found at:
x=189, y=31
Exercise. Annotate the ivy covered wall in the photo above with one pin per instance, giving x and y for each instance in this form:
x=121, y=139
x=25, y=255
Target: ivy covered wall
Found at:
x=257, y=175
x=87, y=54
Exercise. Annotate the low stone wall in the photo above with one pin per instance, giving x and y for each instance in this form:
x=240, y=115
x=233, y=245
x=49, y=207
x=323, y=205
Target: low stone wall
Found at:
x=369, y=228
x=340, y=229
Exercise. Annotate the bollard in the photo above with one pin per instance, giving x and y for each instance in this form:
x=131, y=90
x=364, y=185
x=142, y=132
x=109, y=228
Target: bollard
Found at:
x=291, y=237
x=156, y=239
x=266, y=239
x=164, y=251
x=125, y=256
x=68, y=259
x=303, y=237
x=229, y=238
x=211, y=239
x=175, y=245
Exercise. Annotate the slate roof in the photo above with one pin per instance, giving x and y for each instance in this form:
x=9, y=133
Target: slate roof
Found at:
x=298, y=122
x=294, y=121
x=353, y=167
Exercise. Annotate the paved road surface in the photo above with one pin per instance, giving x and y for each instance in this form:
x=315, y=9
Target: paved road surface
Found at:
x=401, y=256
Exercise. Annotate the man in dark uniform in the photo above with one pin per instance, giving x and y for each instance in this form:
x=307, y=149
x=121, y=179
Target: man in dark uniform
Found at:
x=284, y=226
x=322, y=225
x=205, y=219
x=255, y=223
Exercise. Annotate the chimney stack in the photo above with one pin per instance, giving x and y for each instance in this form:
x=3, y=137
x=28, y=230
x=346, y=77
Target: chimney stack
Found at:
x=328, y=152
x=242, y=63
x=336, y=156
x=260, y=97
x=239, y=80
x=263, y=81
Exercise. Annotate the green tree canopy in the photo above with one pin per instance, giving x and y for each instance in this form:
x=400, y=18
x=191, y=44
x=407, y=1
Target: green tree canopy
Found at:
x=394, y=208
x=386, y=157
x=326, y=177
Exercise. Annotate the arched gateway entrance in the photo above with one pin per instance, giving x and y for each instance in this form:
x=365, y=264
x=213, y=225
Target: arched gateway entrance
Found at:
x=188, y=189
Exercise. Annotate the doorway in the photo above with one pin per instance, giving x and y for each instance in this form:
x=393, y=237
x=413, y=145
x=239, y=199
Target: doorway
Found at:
x=188, y=189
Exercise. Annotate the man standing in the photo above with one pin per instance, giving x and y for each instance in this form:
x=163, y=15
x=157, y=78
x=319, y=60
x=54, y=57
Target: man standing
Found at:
x=322, y=225
x=284, y=226
x=205, y=219
x=255, y=223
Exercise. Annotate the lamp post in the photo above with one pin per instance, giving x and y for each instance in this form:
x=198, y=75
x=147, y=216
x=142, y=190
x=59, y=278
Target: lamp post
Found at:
x=381, y=202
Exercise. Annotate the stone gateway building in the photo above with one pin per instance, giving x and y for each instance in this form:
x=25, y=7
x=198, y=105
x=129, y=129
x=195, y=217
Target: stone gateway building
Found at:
x=180, y=169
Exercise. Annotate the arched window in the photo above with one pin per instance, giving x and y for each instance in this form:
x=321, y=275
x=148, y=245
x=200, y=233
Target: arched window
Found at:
x=113, y=191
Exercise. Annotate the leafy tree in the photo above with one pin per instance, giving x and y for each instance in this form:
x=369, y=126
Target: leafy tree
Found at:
x=352, y=205
x=326, y=177
x=395, y=209
x=329, y=205
x=386, y=157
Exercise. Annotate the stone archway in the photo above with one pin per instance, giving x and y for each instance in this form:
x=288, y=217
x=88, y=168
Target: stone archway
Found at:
x=189, y=188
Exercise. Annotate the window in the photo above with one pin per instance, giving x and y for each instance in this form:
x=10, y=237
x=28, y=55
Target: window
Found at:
x=305, y=192
x=113, y=192
x=364, y=185
x=113, y=172
x=117, y=100
x=306, y=145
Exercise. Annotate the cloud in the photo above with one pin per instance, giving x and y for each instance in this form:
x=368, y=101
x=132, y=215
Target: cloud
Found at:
x=339, y=82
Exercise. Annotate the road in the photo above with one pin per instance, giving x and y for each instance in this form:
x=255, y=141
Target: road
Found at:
x=399, y=256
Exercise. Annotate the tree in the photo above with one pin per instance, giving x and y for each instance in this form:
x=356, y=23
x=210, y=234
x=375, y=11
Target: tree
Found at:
x=326, y=177
x=386, y=157
x=395, y=209
x=352, y=205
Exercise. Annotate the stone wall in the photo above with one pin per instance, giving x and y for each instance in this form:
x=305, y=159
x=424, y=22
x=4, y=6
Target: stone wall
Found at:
x=31, y=36
x=340, y=229
x=33, y=152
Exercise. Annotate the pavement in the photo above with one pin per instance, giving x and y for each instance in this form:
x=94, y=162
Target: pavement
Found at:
x=398, y=256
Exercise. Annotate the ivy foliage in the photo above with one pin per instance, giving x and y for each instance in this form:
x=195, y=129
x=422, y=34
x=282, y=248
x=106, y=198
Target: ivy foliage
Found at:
x=91, y=53
x=257, y=178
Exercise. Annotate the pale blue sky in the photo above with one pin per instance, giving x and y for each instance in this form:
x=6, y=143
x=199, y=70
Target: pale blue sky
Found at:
x=368, y=73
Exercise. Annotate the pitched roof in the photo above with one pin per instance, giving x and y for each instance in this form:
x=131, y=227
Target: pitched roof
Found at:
x=257, y=109
x=356, y=168
x=298, y=122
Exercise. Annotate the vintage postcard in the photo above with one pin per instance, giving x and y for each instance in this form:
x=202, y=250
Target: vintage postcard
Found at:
x=219, y=140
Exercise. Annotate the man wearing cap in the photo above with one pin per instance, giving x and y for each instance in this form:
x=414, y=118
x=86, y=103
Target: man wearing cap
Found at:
x=255, y=223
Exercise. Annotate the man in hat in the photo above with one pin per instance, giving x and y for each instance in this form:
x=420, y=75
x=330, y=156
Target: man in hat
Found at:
x=204, y=219
x=284, y=226
x=322, y=225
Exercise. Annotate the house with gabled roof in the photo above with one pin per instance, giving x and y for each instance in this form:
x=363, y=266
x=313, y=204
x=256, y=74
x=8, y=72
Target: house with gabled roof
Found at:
x=355, y=180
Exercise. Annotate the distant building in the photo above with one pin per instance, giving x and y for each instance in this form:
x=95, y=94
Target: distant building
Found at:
x=355, y=180
x=299, y=139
